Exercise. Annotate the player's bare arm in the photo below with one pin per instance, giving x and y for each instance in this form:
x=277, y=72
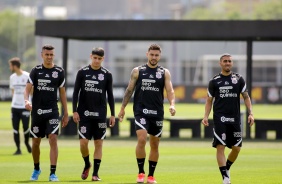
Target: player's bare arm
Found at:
x=128, y=93
x=248, y=104
x=63, y=97
x=27, y=91
x=111, y=101
x=170, y=92
x=208, y=107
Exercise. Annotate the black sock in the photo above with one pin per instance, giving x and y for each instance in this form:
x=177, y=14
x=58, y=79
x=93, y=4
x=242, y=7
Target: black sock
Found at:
x=223, y=171
x=36, y=166
x=140, y=163
x=86, y=161
x=152, y=167
x=228, y=164
x=52, y=169
x=97, y=163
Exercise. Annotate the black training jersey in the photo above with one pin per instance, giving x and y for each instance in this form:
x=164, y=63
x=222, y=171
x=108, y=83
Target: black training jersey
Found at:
x=46, y=82
x=226, y=91
x=149, y=92
x=90, y=90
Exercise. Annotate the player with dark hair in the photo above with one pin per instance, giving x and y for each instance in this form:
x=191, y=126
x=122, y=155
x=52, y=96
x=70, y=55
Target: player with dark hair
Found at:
x=46, y=79
x=149, y=81
x=93, y=85
x=225, y=89
x=17, y=84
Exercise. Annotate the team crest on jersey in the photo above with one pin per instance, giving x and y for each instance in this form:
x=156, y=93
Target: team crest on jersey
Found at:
x=35, y=129
x=101, y=77
x=158, y=75
x=143, y=121
x=55, y=74
x=83, y=129
x=234, y=81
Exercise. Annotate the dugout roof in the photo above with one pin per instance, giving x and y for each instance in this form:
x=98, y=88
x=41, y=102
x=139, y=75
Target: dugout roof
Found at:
x=248, y=31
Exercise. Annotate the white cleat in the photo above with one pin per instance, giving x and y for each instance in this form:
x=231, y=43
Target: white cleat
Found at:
x=228, y=174
x=226, y=181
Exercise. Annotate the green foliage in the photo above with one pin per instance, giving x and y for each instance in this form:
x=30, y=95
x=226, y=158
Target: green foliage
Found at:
x=16, y=39
x=261, y=10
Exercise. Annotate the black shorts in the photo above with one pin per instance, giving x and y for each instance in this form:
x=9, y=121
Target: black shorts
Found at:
x=227, y=134
x=89, y=128
x=43, y=125
x=154, y=126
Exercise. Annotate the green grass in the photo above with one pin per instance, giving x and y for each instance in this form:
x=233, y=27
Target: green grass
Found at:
x=182, y=161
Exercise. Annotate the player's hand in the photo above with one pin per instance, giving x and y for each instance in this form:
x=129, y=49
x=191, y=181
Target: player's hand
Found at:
x=65, y=120
x=121, y=114
x=76, y=117
x=28, y=105
x=112, y=121
x=205, y=122
x=251, y=120
x=172, y=110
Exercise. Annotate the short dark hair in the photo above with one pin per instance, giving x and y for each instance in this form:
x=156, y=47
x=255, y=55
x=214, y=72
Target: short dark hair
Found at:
x=15, y=61
x=98, y=51
x=223, y=55
x=48, y=47
x=154, y=47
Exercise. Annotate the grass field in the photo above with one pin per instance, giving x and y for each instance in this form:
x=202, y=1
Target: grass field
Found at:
x=182, y=161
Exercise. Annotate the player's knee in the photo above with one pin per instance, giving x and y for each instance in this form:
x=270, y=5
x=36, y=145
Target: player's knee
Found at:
x=98, y=143
x=236, y=149
x=52, y=138
x=142, y=141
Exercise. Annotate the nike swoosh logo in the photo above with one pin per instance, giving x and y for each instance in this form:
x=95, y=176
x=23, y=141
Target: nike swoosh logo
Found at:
x=144, y=74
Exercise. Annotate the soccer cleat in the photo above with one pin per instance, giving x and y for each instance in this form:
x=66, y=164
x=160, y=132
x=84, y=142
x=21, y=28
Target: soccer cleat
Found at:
x=96, y=178
x=85, y=173
x=151, y=179
x=18, y=152
x=228, y=174
x=226, y=180
x=140, y=178
x=35, y=174
x=53, y=177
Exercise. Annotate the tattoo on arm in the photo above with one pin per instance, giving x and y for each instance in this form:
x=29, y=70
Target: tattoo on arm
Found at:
x=130, y=88
x=245, y=95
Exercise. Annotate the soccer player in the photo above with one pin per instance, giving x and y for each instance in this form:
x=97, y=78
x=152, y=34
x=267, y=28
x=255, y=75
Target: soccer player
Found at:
x=225, y=89
x=149, y=82
x=17, y=84
x=93, y=85
x=46, y=79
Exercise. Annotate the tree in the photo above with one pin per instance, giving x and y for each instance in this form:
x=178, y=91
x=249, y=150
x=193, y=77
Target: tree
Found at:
x=16, y=39
x=239, y=10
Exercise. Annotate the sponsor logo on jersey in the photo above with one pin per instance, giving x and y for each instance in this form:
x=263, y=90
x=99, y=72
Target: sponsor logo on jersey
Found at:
x=146, y=85
x=53, y=121
x=151, y=76
x=237, y=134
x=159, y=123
x=101, y=77
x=102, y=125
x=224, y=119
x=83, y=129
x=35, y=129
x=158, y=75
x=142, y=121
x=43, y=85
x=55, y=74
x=226, y=83
x=47, y=75
x=224, y=92
x=94, y=77
x=223, y=136
x=146, y=111
x=88, y=113
x=45, y=111
x=90, y=86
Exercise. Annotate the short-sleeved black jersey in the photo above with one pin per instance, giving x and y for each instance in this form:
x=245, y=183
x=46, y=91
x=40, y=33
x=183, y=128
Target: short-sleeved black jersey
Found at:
x=149, y=92
x=226, y=91
x=46, y=82
x=90, y=90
